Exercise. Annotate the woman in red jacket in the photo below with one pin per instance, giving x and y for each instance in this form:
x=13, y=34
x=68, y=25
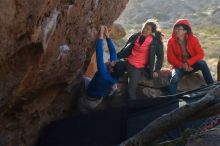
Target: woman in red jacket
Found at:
x=185, y=54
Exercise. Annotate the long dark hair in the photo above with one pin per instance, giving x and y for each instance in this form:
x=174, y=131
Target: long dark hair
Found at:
x=155, y=27
x=118, y=69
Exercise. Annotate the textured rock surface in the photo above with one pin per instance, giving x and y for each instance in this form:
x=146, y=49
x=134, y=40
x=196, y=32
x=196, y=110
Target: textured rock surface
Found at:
x=157, y=87
x=117, y=31
x=210, y=138
x=45, y=46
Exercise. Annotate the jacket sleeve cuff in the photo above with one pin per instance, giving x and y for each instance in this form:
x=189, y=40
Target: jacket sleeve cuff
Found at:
x=180, y=65
x=189, y=63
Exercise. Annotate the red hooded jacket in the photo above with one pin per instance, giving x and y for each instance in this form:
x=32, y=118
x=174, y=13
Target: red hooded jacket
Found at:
x=174, y=50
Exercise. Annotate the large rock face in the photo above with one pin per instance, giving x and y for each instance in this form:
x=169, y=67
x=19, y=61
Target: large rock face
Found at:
x=45, y=46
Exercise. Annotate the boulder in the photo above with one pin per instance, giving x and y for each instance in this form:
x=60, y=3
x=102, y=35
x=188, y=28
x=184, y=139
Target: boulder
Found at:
x=117, y=31
x=46, y=46
x=159, y=86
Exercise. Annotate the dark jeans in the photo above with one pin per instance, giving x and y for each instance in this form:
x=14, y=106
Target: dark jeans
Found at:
x=177, y=74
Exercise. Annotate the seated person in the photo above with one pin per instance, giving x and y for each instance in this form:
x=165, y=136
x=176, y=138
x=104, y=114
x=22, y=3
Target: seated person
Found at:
x=185, y=54
x=141, y=51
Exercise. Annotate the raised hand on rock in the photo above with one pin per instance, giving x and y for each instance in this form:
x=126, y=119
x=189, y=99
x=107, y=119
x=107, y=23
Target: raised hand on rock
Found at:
x=106, y=32
x=101, y=32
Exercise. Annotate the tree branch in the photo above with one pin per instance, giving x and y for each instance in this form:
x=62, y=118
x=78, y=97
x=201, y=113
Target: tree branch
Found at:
x=207, y=106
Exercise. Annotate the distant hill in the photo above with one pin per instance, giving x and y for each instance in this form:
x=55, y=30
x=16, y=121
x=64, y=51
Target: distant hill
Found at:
x=199, y=12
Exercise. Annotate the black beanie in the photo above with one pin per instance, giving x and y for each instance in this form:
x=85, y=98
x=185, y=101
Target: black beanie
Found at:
x=119, y=69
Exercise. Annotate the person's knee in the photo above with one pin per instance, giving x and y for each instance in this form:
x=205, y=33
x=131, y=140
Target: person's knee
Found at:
x=175, y=78
x=132, y=85
x=201, y=63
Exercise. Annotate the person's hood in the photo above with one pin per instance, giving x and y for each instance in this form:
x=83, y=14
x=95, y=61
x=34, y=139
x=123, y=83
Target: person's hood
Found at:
x=185, y=22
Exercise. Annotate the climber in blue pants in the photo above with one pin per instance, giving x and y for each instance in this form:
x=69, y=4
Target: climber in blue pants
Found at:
x=106, y=77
